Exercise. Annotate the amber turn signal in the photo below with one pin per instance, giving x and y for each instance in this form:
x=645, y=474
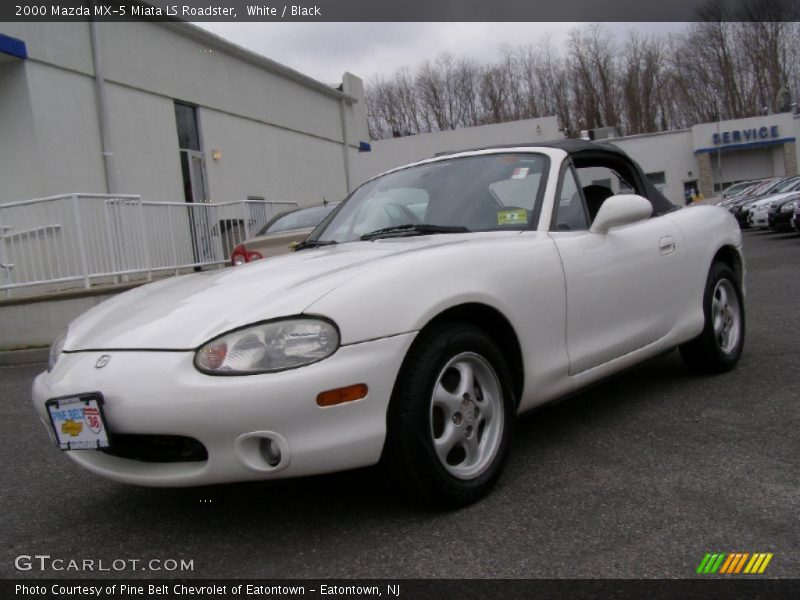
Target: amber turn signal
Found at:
x=342, y=395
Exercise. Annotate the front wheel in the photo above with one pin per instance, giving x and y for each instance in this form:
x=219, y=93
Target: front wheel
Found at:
x=718, y=348
x=450, y=418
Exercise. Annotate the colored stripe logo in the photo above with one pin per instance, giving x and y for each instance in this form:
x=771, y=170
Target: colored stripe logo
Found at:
x=734, y=563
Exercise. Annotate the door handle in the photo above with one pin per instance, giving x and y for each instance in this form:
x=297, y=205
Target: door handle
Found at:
x=666, y=244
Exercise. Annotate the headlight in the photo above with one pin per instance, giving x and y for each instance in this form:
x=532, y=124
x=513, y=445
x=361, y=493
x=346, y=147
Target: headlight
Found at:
x=789, y=206
x=55, y=351
x=268, y=347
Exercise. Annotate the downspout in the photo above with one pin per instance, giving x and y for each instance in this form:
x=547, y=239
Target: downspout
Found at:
x=345, y=152
x=102, y=111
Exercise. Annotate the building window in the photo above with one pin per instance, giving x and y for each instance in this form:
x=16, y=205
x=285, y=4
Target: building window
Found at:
x=657, y=178
x=191, y=157
x=186, y=120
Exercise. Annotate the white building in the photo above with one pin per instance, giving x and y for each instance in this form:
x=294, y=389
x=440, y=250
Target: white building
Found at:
x=91, y=107
x=706, y=158
x=152, y=136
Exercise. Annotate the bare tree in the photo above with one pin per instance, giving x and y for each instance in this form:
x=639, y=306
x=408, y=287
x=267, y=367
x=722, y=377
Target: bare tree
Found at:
x=729, y=64
x=594, y=73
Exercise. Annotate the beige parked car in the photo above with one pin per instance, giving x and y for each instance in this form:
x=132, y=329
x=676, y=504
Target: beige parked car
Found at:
x=281, y=233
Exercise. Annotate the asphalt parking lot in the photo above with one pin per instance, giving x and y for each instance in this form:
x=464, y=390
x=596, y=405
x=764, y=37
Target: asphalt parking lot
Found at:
x=638, y=477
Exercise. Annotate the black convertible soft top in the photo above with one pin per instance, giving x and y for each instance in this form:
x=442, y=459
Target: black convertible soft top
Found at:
x=584, y=153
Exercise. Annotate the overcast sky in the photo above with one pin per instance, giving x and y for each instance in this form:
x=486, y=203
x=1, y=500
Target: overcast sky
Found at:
x=326, y=50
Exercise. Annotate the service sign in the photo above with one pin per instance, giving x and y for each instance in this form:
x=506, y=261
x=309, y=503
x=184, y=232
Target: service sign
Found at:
x=78, y=422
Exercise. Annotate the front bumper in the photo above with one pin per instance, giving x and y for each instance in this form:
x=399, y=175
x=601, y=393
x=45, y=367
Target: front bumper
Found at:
x=161, y=393
x=759, y=218
x=780, y=221
x=742, y=217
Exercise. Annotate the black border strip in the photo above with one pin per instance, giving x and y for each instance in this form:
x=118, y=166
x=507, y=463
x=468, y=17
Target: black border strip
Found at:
x=700, y=587
x=406, y=11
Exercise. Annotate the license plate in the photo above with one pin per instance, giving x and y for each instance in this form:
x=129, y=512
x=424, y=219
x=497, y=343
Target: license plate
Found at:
x=78, y=421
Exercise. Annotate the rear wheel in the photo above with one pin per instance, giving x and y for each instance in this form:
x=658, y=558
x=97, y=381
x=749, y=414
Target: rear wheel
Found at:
x=718, y=348
x=450, y=418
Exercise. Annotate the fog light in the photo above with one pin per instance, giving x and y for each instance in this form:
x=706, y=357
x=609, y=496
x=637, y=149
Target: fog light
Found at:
x=270, y=451
x=263, y=451
x=342, y=395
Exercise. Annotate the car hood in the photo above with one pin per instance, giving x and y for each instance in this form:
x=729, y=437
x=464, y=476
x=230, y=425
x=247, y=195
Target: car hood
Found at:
x=183, y=312
x=774, y=197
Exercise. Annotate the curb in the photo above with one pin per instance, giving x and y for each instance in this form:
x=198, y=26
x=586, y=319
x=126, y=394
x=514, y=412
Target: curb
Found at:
x=23, y=357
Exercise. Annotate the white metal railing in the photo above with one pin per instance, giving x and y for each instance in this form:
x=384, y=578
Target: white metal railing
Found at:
x=79, y=239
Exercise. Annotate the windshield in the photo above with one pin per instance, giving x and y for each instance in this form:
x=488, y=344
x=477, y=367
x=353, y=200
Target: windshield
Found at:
x=788, y=185
x=773, y=187
x=738, y=188
x=297, y=219
x=492, y=192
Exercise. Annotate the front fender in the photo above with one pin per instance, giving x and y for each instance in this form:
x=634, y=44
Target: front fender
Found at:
x=518, y=275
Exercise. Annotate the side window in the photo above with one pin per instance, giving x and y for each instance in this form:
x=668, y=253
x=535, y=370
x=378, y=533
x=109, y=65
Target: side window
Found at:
x=570, y=214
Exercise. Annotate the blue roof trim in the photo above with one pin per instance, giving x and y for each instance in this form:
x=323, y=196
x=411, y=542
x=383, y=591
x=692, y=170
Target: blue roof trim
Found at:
x=13, y=46
x=729, y=147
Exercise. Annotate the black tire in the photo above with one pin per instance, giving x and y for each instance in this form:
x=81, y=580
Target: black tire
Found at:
x=706, y=353
x=410, y=462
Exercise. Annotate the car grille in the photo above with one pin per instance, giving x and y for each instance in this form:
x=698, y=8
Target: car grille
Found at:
x=156, y=448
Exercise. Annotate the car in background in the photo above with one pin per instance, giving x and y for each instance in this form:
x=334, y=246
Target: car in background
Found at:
x=760, y=211
x=281, y=233
x=796, y=218
x=741, y=208
x=737, y=188
x=782, y=212
x=407, y=331
x=748, y=194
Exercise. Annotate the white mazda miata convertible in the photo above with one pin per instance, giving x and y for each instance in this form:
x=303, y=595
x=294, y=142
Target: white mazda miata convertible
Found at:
x=430, y=308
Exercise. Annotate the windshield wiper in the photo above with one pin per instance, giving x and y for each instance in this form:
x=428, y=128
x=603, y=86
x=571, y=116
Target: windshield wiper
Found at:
x=412, y=229
x=313, y=244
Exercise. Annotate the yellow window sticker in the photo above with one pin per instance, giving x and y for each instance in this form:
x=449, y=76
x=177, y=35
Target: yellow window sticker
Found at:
x=71, y=427
x=518, y=216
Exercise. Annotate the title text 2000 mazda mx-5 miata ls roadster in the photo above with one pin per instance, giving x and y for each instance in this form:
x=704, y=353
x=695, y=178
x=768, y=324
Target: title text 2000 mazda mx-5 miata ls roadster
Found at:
x=436, y=303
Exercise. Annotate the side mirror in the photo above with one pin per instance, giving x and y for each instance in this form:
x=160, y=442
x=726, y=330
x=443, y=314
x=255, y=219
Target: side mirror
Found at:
x=621, y=209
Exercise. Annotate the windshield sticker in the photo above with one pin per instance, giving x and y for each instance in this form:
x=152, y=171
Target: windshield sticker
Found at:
x=520, y=173
x=518, y=216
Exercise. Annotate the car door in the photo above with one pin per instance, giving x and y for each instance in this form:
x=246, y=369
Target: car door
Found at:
x=623, y=286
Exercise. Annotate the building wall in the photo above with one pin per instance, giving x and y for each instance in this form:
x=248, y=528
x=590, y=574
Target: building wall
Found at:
x=747, y=156
x=744, y=164
x=673, y=156
x=18, y=148
x=279, y=133
x=67, y=131
x=255, y=162
x=684, y=156
x=145, y=141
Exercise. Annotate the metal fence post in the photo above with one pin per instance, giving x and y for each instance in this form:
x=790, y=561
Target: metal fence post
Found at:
x=145, y=239
x=112, y=240
x=81, y=241
x=5, y=268
x=171, y=235
x=246, y=218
